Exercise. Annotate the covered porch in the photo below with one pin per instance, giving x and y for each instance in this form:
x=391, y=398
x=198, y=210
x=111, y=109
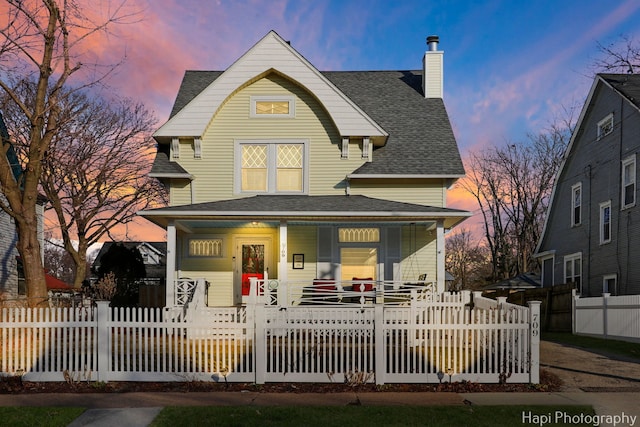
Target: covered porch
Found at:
x=331, y=244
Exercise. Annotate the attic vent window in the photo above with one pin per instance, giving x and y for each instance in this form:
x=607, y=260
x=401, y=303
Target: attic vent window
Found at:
x=272, y=106
x=605, y=126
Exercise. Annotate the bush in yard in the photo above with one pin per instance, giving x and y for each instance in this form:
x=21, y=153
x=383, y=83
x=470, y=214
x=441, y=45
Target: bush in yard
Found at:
x=128, y=270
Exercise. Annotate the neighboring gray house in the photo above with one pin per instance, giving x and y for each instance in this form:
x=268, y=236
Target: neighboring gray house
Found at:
x=11, y=278
x=592, y=232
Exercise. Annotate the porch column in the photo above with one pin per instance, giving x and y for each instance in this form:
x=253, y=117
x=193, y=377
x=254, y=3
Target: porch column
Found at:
x=282, y=264
x=171, y=264
x=440, y=257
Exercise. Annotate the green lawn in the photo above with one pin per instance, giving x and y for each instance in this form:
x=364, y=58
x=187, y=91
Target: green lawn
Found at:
x=622, y=348
x=38, y=416
x=354, y=416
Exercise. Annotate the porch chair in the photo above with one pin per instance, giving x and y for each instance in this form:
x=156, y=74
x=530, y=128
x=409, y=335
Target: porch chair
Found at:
x=365, y=285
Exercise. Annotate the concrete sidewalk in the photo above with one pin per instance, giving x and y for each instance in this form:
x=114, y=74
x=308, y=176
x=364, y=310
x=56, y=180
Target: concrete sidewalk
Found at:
x=139, y=409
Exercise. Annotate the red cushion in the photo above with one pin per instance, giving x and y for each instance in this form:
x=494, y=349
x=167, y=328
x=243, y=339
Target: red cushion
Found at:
x=324, y=285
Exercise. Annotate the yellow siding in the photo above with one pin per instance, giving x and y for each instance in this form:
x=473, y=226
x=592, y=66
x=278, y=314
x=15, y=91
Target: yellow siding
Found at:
x=424, y=260
x=302, y=240
x=423, y=192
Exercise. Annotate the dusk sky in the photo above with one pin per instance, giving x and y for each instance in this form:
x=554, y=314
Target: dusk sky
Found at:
x=510, y=66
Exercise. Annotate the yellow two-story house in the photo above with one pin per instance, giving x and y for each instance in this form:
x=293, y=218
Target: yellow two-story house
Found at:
x=277, y=169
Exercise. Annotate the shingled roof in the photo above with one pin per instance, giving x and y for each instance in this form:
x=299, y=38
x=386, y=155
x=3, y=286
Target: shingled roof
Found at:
x=421, y=141
x=303, y=206
x=627, y=84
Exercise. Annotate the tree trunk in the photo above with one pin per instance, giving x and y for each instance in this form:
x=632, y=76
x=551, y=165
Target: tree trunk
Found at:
x=29, y=249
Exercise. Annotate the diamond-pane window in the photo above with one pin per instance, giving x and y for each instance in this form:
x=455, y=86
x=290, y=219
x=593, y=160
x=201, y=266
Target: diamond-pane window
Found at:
x=272, y=107
x=289, y=167
x=254, y=167
x=272, y=166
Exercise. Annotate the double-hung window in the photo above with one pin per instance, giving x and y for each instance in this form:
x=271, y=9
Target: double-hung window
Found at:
x=576, y=204
x=628, y=182
x=605, y=222
x=573, y=269
x=271, y=166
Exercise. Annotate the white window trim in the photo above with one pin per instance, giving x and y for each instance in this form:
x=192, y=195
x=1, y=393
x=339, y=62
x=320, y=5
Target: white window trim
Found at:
x=631, y=160
x=271, y=170
x=278, y=98
x=603, y=206
x=606, y=278
x=601, y=124
x=572, y=258
x=575, y=187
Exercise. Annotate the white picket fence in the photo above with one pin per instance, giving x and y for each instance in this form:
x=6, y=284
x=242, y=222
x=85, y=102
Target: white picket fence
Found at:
x=613, y=317
x=453, y=337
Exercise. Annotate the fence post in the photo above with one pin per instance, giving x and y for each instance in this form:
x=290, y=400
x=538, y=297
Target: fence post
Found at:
x=380, y=345
x=574, y=316
x=103, y=344
x=260, y=359
x=605, y=313
x=534, y=342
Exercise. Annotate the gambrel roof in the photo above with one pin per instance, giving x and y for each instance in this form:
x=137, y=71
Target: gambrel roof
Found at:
x=414, y=134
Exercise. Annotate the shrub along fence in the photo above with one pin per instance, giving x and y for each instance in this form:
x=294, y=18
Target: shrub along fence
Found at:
x=450, y=337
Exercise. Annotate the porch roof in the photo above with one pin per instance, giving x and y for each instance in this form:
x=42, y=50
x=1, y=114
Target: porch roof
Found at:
x=353, y=208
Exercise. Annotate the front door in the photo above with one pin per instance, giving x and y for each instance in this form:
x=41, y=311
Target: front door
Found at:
x=252, y=259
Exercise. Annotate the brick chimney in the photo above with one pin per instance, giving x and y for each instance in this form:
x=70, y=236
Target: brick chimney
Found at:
x=432, y=79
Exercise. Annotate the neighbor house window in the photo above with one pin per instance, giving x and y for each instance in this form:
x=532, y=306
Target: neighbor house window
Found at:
x=629, y=182
x=605, y=126
x=605, y=222
x=609, y=282
x=205, y=247
x=272, y=106
x=573, y=269
x=576, y=204
x=271, y=167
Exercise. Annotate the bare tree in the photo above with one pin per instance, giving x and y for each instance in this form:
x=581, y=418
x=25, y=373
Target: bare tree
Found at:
x=467, y=260
x=622, y=56
x=94, y=173
x=41, y=40
x=512, y=185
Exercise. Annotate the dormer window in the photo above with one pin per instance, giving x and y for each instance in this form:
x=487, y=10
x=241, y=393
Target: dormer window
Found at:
x=605, y=126
x=273, y=106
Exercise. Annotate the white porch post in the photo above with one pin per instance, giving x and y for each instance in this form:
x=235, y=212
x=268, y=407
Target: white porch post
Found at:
x=440, y=257
x=171, y=264
x=282, y=264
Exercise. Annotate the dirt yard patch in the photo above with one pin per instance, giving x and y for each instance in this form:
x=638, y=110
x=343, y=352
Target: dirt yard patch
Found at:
x=584, y=370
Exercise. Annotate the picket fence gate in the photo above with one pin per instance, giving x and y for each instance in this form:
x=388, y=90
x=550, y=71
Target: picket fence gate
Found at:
x=454, y=337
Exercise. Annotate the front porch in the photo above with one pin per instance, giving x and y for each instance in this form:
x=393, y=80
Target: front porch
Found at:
x=297, y=240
